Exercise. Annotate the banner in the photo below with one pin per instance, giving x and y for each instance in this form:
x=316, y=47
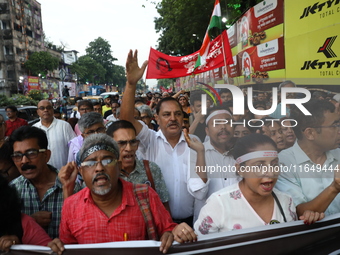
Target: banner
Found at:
x=33, y=83
x=312, y=41
x=162, y=66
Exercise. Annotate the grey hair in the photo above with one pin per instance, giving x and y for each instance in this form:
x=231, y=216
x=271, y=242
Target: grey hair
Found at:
x=145, y=109
x=89, y=119
x=286, y=83
x=98, y=141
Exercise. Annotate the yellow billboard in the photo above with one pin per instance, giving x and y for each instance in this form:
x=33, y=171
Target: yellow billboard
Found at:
x=305, y=16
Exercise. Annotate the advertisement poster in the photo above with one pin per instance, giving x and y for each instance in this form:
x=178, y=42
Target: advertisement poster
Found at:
x=50, y=88
x=315, y=59
x=33, y=83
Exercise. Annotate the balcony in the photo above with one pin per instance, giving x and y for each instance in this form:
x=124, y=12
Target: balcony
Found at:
x=7, y=34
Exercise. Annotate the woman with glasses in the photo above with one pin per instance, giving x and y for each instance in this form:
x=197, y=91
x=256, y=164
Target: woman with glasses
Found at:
x=253, y=201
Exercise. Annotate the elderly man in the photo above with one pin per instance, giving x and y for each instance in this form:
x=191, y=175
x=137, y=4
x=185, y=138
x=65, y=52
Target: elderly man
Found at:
x=111, y=209
x=134, y=170
x=311, y=165
x=58, y=132
x=89, y=123
x=167, y=147
x=38, y=186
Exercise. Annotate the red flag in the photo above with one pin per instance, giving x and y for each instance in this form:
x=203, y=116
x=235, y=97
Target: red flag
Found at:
x=162, y=66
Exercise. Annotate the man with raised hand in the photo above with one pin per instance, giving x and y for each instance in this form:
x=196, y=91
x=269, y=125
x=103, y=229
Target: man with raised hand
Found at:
x=167, y=147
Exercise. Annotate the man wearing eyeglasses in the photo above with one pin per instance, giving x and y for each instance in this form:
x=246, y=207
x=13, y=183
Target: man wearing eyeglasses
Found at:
x=110, y=209
x=312, y=174
x=58, y=132
x=89, y=123
x=134, y=170
x=39, y=189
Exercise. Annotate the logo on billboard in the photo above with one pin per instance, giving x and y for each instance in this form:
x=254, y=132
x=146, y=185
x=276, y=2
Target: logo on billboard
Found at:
x=329, y=53
x=327, y=47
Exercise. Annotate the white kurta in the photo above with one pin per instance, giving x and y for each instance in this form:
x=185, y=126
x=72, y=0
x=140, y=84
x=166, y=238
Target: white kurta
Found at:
x=174, y=164
x=228, y=209
x=59, y=133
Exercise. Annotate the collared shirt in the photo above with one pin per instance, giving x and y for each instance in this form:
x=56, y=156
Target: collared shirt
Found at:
x=298, y=180
x=228, y=209
x=59, y=133
x=138, y=175
x=51, y=202
x=83, y=222
x=73, y=147
x=221, y=173
x=174, y=164
x=13, y=125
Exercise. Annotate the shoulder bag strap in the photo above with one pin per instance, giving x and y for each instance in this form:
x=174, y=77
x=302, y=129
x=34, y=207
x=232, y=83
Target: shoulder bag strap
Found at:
x=279, y=205
x=141, y=194
x=148, y=173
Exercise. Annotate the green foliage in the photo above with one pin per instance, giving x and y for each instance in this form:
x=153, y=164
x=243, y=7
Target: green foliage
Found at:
x=88, y=69
x=35, y=94
x=3, y=100
x=100, y=51
x=41, y=62
x=180, y=19
x=166, y=83
x=119, y=77
x=19, y=99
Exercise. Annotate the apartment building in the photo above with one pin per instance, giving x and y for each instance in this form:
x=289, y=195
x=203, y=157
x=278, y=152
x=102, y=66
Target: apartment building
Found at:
x=21, y=34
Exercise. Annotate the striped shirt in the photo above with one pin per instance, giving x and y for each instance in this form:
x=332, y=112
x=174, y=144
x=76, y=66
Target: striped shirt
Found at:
x=51, y=202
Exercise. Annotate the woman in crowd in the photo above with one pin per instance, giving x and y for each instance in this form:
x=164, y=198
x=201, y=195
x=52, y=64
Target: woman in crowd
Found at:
x=253, y=201
x=16, y=227
x=184, y=102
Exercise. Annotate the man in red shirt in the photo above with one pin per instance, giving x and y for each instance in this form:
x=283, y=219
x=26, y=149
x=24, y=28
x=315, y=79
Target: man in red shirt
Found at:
x=110, y=209
x=13, y=121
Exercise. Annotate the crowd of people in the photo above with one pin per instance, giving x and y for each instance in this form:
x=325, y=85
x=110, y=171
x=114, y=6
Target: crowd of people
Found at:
x=157, y=168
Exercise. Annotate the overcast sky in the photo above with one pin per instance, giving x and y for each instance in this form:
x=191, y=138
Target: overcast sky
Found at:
x=125, y=24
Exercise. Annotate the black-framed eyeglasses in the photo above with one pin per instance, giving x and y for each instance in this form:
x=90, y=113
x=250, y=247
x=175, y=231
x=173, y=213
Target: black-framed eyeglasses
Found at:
x=123, y=144
x=30, y=154
x=5, y=172
x=91, y=164
x=84, y=109
x=43, y=108
x=97, y=131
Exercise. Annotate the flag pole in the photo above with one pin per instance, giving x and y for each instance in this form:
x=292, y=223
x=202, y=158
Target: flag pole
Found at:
x=224, y=58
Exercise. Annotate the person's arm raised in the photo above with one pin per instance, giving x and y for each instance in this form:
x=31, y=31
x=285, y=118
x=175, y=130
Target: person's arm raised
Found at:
x=133, y=74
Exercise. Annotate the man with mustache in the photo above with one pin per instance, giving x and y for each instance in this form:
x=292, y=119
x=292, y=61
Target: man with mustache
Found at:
x=167, y=147
x=40, y=190
x=110, y=209
x=219, y=162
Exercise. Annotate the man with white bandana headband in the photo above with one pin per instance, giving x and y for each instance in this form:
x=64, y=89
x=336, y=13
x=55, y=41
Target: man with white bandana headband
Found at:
x=219, y=164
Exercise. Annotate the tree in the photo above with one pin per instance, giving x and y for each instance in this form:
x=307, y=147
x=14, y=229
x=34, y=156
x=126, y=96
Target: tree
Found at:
x=41, y=62
x=180, y=20
x=100, y=51
x=119, y=77
x=88, y=69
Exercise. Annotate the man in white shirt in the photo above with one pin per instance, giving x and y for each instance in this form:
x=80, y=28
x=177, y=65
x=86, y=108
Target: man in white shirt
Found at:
x=308, y=166
x=220, y=165
x=167, y=147
x=58, y=133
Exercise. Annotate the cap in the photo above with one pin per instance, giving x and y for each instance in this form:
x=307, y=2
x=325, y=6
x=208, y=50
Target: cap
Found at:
x=336, y=97
x=106, y=96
